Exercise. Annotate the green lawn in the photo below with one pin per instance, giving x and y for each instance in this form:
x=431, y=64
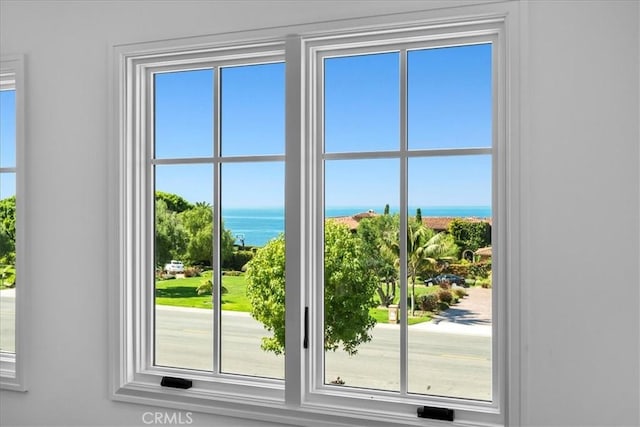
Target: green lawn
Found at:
x=182, y=293
x=381, y=314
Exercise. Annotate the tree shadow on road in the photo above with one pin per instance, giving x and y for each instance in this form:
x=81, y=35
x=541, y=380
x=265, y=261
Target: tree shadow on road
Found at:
x=177, y=292
x=460, y=316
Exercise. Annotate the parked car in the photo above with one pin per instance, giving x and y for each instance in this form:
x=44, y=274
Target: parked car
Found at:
x=442, y=278
x=174, y=267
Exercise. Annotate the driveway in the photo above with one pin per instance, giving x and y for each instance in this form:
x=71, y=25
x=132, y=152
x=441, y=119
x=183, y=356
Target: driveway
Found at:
x=472, y=315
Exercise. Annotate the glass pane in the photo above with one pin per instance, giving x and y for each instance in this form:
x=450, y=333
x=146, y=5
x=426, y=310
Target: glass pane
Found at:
x=362, y=338
x=252, y=326
x=183, y=260
x=361, y=103
x=450, y=267
x=449, y=97
x=184, y=114
x=7, y=262
x=7, y=128
x=252, y=110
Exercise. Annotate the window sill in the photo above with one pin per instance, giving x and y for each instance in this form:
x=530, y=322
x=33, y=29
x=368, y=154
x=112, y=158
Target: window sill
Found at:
x=253, y=407
x=8, y=377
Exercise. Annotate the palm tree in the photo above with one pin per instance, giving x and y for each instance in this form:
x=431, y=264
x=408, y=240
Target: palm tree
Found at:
x=439, y=247
x=416, y=235
x=424, y=249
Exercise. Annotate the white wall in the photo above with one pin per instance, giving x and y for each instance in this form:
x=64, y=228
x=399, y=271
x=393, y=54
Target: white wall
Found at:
x=581, y=280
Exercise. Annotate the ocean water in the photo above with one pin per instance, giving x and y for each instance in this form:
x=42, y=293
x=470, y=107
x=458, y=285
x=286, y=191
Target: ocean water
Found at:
x=259, y=225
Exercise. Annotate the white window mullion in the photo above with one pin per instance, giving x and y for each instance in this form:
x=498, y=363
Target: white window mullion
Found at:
x=316, y=301
x=295, y=242
x=503, y=180
x=217, y=215
x=404, y=314
x=145, y=296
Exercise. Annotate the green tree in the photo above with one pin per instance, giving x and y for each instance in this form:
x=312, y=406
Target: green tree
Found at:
x=8, y=229
x=419, y=216
x=198, y=222
x=265, y=290
x=226, y=245
x=348, y=291
x=349, y=288
x=187, y=234
x=377, y=234
x=470, y=234
x=174, y=202
x=171, y=237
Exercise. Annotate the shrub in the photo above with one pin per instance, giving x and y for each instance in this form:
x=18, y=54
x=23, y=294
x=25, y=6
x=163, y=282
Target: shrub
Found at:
x=445, y=295
x=442, y=305
x=481, y=269
x=239, y=259
x=459, y=269
x=232, y=273
x=445, y=284
x=192, y=272
x=206, y=288
x=460, y=292
x=478, y=269
x=485, y=283
x=428, y=302
x=7, y=276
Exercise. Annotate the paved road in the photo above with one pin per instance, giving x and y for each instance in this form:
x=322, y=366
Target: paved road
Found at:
x=7, y=320
x=445, y=358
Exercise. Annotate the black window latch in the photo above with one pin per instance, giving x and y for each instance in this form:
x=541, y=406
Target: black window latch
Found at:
x=434, y=413
x=305, y=341
x=176, y=382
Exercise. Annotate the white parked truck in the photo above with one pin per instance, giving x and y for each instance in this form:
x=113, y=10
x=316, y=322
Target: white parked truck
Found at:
x=174, y=267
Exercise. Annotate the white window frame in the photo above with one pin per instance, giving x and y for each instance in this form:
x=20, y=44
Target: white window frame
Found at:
x=321, y=48
x=13, y=371
x=266, y=53
x=301, y=398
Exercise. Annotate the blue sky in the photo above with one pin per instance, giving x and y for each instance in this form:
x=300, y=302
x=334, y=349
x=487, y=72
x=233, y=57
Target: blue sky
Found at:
x=7, y=141
x=449, y=105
